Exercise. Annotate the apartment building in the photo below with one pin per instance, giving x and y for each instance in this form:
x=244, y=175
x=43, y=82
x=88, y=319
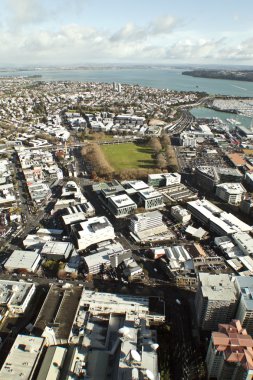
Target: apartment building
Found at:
x=230, y=354
x=215, y=301
x=244, y=287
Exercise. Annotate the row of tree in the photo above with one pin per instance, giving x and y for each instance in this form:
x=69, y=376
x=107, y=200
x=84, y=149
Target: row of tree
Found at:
x=94, y=154
x=164, y=152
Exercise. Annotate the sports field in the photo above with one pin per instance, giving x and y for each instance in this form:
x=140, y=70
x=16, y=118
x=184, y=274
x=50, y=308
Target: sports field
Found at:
x=128, y=156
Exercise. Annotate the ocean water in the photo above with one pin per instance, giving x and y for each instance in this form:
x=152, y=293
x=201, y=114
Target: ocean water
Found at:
x=161, y=78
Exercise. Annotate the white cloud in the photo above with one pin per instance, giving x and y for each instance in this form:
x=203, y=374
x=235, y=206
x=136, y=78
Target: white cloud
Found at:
x=163, y=25
x=156, y=42
x=26, y=11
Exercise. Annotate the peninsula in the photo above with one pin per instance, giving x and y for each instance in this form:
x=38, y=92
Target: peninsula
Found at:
x=242, y=75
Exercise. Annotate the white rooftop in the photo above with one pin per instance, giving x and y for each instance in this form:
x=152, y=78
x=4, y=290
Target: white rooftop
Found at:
x=232, y=188
x=122, y=200
x=22, y=358
x=57, y=248
x=13, y=292
x=217, y=287
x=22, y=259
x=149, y=193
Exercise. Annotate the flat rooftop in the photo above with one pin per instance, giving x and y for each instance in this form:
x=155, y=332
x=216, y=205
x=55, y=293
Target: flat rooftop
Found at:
x=122, y=200
x=57, y=248
x=217, y=287
x=150, y=193
x=13, y=292
x=23, y=259
x=22, y=358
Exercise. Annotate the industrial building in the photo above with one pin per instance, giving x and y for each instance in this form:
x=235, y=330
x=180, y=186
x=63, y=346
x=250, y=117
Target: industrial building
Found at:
x=215, y=301
x=230, y=353
x=93, y=231
x=23, y=260
x=232, y=193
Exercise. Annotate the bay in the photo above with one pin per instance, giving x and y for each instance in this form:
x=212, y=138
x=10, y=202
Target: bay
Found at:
x=160, y=78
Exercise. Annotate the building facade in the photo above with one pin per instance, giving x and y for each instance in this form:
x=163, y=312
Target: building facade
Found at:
x=215, y=301
x=230, y=354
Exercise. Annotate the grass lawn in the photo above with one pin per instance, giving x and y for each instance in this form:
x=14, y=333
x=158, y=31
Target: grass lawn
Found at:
x=128, y=156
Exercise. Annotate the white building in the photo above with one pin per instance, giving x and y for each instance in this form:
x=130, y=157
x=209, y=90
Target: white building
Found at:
x=39, y=192
x=244, y=241
x=52, y=363
x=77, y=213
x=23, y=358
x=92, y=231
x=164, y=179
x=71, y=196
x=180, y=214
x=121, y=205
x=132, y=187
x=219, y=222
x=57, y=250
x=150, y=198
x=106, y=303
x=215, y=300
x=146, y=224
x=16, y=295
x=232, y=193
x=27, y=260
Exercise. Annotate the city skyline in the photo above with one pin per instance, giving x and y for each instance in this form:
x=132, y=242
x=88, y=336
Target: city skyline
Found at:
x=84, y=31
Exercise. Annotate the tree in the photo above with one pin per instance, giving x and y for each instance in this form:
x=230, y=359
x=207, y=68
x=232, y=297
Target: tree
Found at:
x=161, y=161
x=165, y=140
x=155, y=144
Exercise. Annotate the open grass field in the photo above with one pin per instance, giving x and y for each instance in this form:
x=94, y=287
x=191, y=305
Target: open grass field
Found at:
x=128, y=156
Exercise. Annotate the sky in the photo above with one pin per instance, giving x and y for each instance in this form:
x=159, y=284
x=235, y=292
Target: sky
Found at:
x=79, y=32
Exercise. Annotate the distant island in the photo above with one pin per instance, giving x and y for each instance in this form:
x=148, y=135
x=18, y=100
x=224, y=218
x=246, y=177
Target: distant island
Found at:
x=242, y=75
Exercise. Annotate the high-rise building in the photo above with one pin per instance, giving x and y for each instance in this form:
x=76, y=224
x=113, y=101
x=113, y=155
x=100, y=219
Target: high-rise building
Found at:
x=244, y=287
x=230, y=353
x=215, y=301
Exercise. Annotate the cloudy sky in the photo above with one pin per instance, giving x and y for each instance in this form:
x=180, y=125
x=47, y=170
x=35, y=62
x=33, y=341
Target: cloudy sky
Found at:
x=126, y=31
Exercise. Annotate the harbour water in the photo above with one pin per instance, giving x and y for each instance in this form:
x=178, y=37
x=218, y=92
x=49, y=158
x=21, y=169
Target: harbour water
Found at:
x=161, y=78
x=202, y=112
